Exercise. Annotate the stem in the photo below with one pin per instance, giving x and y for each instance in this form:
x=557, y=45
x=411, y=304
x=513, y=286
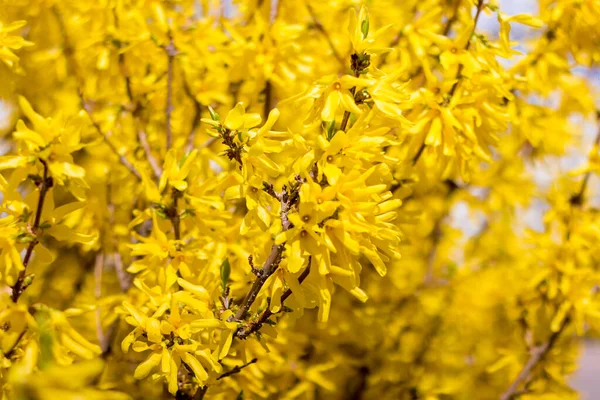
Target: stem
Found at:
x=173, y=214
x=538, y=354
x=253, y=327
x=268, y=90
x=45, y=185
x=143, y=138
x=460, y=67
x=196, y=118
x=272, y=262
x=237, y=369
x=346, y=116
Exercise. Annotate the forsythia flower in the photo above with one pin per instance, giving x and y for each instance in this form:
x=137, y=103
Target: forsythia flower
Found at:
x=260, y=200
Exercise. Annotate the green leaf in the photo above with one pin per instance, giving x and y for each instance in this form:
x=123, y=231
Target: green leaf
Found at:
x=364, y=27
x=213, y=115
x=240, y=396
x=225, y=271
x=331, y=130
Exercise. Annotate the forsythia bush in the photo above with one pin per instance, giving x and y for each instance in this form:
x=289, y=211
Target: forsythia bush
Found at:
x=297, y=199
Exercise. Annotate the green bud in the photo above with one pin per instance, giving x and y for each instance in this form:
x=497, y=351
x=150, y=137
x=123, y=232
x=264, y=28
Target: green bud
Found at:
x=364, y=27
x=225, y=271
x=213, y=115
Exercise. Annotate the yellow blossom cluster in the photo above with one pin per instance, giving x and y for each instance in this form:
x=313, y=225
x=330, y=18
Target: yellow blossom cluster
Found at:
x=298, y=200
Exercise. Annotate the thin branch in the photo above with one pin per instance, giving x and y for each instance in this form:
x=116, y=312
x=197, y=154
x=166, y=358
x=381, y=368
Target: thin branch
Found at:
x=195, y=119
x=143, y=138
x=237, y=369
x=539, y=353
x=537, y=356
x=268, y=104
x=272, y=262
x=98, y=271
x=460, y=67
x=173, y=214
x=578, y=197
x=123, y=276
x=255, y=326
x=319, y=26
x=44, y=185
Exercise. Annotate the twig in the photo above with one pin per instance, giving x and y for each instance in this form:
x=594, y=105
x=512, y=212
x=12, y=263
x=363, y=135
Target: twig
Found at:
x=123, y=276
x=538, y=354
x=255, y=326
x=577, y=199
x=173, y=214
x=236, y=369
x=98, y=270
x=268, y=91
x=321, y=29
x=143, y=138
x=195, y=119
x=272, y=262
x=541, y=351
x=460, y=67
x=45, y=184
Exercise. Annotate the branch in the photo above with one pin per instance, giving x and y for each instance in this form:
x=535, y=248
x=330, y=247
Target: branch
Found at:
x=236, y=369
x=538, y=354
x=268, y=91
x=98, y=270
x=460, y=67
x=272, y=262
x=255, y=326
x=143, y=138
x=122, y=275
x=196, y=119
x=45, y=184
x=577, y=198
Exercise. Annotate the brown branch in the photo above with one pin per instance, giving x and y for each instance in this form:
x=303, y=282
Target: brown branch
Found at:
x=272, y=262
x=267, y=105
x=319, y=26
x=195, y=119
x=460, y=67
x=539, y=353
x=255, y=326
x=237, y=369
x=537, y=356
x=98, y=271
x=358, y=67
x=577, y=198
x=143, y=138
x=44, y=185
x=123, y=276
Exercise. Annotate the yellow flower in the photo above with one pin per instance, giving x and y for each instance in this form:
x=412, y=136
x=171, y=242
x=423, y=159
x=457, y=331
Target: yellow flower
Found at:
x=9, y=43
